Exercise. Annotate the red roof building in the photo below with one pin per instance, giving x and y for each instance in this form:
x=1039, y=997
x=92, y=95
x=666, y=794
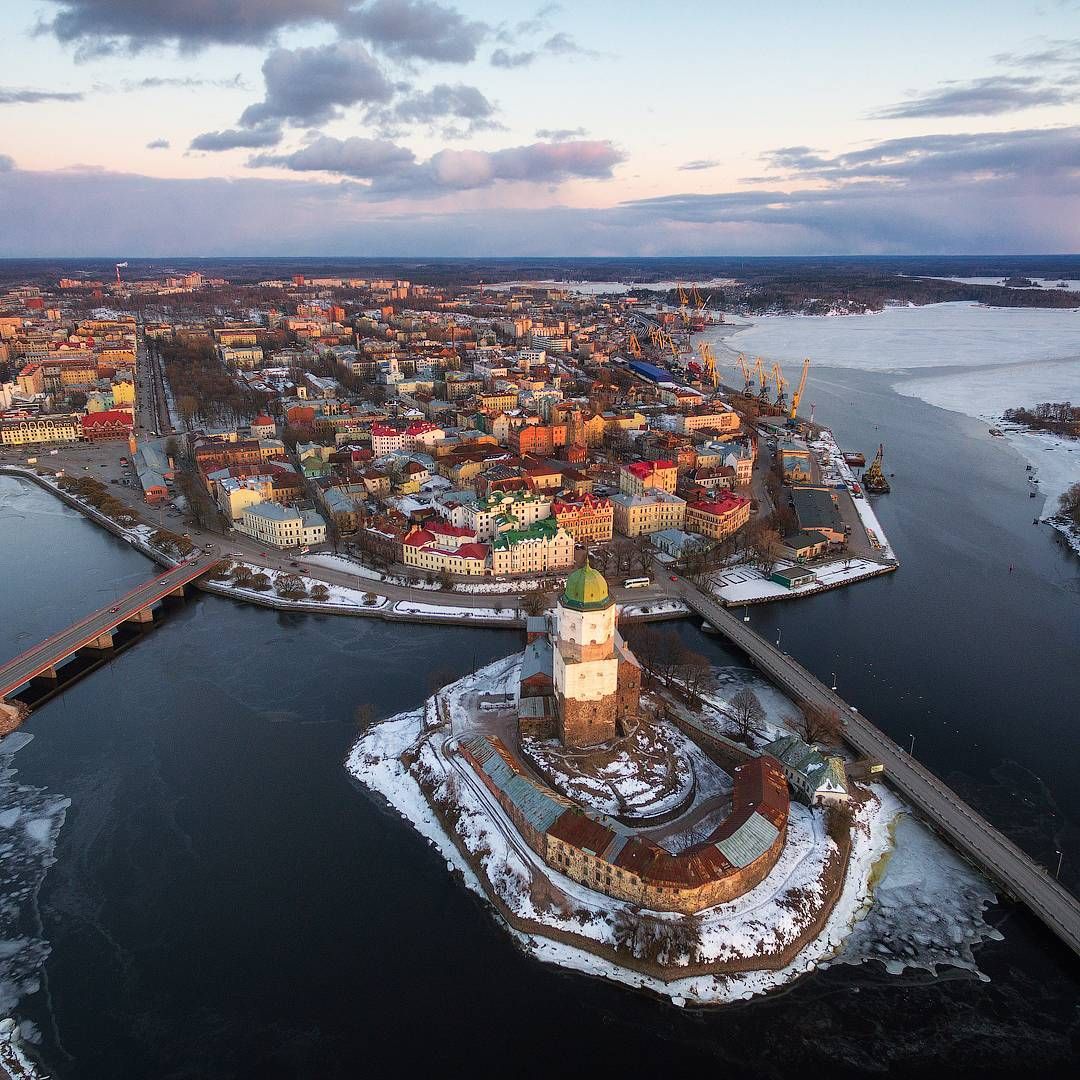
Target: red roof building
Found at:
x=111, y=424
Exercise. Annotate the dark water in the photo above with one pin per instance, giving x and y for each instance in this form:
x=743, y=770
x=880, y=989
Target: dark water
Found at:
x=226, y=903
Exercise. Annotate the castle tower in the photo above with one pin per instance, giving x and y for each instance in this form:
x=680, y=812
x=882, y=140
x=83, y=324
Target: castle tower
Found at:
x=586, y=662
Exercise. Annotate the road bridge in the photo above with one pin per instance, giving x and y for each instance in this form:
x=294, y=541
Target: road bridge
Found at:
x=994, y=854
x=97, y=629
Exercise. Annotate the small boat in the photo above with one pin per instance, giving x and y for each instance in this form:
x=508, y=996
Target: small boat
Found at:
x=854, y=457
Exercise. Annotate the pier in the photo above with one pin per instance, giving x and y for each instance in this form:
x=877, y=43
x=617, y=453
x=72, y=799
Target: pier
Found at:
x=1018, y=875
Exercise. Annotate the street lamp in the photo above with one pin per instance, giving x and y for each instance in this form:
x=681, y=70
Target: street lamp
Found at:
x=834, y=680
x=1058, y=870
x=746, y=613
x=911, y=748
x=779, y=633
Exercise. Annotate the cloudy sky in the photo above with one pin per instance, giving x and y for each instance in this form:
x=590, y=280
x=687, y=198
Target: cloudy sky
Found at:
x=494, y=127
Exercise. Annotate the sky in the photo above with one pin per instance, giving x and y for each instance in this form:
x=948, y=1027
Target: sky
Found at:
x=595, y=128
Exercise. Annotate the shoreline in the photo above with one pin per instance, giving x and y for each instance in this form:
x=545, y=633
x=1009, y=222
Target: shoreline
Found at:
x=385, y=760
x=422, y=606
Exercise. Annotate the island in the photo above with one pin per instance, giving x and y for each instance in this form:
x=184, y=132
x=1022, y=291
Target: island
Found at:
x=687, y=844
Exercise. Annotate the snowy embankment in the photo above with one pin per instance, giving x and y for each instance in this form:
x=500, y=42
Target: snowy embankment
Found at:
x=747, y=585
x=764, y=923
x=336, y=595
x=862, y=506
x=457, y=614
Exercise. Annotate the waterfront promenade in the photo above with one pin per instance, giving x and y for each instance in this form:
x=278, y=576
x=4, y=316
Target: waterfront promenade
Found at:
x=994, y=854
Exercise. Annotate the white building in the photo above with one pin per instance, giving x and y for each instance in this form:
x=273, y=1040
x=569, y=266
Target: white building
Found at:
x=282, y=526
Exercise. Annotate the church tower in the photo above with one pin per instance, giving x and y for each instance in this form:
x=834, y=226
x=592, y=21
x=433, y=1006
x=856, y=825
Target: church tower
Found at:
x=586, y=660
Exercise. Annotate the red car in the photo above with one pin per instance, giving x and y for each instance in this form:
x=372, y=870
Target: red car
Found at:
x=113, y=610
x=674, y=578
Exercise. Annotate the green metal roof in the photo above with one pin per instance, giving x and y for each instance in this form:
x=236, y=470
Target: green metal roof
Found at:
x=586, y=590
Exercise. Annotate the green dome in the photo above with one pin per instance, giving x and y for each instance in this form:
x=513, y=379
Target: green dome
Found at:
x=585, y=590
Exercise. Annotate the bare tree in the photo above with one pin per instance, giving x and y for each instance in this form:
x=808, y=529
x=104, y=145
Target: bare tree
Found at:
x=746, y=714
x=814, y=725
x=536, y=602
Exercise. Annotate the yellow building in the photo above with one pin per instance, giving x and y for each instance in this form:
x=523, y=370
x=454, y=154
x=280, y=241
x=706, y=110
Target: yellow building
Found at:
x=62, y=427
x=123, y=392
x=638, y=515
x=641, y=476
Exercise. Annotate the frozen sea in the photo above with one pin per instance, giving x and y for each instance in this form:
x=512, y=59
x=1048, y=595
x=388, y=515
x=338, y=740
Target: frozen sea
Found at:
x=964, y=357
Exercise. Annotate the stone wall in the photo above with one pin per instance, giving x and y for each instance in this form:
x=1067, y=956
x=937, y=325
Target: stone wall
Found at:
x=586, y=723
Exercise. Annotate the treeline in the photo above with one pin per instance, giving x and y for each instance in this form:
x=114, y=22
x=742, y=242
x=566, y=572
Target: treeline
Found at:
x=204, y=392
x=861, y=291
x=1061, y=417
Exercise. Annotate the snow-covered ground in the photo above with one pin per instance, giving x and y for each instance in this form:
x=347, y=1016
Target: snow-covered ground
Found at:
x=448, y=611
x=654, y=773
x=336, y=595
x=655, y=607
x=745, y=584
x=761, y=922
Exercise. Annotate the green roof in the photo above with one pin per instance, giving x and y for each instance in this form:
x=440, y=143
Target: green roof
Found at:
x=586, y=590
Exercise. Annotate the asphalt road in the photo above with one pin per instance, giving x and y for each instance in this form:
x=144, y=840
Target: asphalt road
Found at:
x=939, y=805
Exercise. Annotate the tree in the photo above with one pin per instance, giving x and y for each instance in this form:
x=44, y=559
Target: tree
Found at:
x=259, y=582
x=697, y=674
x=320, y=592
x=242, y=574
x=815, y=725
x=766, y=548
x=445, y=580
x=364, y=714
x=746, y=714
x=291, y=586
x=536, y=602
x=1069, y=503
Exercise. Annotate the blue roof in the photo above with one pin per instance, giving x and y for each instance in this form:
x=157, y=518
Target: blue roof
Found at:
x=650, y=371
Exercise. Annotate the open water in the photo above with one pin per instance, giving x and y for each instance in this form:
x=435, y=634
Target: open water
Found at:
x=224, y=902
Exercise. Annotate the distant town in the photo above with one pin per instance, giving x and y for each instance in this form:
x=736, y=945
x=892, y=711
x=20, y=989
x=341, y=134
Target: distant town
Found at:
x=432, y=437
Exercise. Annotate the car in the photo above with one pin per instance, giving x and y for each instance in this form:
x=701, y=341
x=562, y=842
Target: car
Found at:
x=114, y=610
x=294, y=564
x=674, y=578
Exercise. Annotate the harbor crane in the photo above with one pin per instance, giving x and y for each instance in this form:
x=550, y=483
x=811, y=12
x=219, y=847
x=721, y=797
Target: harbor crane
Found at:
x=797, y=396
x=634, y=345
x=747, y=374
x=763, y=379
x=781, y=386
x=708, y=361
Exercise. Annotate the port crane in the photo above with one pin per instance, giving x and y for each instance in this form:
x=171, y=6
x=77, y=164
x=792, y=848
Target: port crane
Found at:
x=747, y=374
x=797, y=396
x=708, y=361
x=763, y=379
x=634, y=345
x=781, y=386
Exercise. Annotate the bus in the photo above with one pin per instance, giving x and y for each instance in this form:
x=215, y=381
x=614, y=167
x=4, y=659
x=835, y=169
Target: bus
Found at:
x=636, y=582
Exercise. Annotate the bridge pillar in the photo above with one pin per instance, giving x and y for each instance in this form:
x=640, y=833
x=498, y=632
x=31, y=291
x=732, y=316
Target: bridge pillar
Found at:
x=48, y=673
x=178, y=592
x=103, y=641
x=143, y=615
